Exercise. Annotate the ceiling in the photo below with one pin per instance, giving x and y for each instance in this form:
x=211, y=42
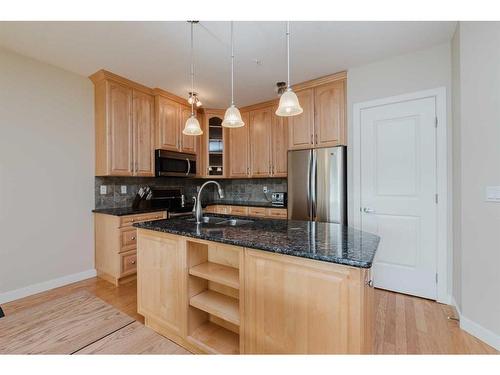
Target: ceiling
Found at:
x=156, y=54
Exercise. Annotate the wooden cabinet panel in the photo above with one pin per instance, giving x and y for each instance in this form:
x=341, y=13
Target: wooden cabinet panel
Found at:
x=120, y=130
x=329, y=101
x=188, y=142
x=167, y=124
x=260, y=145
x=279, y=146
x=239, y=149
x=277, y=213
x=286, y=310
x=143, y=113
x=160, y=275
x=301, y=127
x=257, y=211
x=239, y=210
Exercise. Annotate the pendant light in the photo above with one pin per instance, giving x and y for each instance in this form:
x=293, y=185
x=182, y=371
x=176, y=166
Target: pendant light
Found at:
x=192, y=126
x=289, y=103
x=232, y=117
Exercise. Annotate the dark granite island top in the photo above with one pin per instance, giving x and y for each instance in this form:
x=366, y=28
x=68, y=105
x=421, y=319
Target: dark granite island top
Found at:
x=326, y=242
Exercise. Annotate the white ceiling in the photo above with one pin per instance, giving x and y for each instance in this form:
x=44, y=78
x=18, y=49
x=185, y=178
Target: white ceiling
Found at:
x=156, y=54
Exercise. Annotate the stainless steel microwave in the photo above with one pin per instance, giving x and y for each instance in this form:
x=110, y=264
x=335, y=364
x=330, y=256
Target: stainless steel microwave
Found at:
x=177, y=164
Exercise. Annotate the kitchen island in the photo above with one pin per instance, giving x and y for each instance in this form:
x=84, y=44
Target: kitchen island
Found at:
x=261, y=286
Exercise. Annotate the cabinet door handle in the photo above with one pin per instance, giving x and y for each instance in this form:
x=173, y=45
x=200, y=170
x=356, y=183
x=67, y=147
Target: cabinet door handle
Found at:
x=133, y=238
x=316, y=137
x=312, y=139
x=132, y=262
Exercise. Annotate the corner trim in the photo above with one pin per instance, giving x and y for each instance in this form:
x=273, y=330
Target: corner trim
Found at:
x=46, y=285
x=477, y=330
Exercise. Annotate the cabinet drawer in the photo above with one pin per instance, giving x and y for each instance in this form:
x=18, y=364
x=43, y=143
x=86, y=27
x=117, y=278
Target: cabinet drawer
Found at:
x=128, y=263
x=257, y=211
x=131, y=219
x=224, y=210
x=128, y=239
x=238, y=210
x=211, y=209
x=279, y=213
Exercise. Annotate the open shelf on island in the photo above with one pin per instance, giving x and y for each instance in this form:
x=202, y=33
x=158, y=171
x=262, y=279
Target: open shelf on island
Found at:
x=218, y=273
x=217, y=304
x=216, y=339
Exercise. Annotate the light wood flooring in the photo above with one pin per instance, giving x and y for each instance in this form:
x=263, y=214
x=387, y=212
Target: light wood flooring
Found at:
x=404, y=324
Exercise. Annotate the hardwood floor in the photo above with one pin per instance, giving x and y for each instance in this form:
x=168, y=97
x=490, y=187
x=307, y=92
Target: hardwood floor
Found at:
x=403, y=324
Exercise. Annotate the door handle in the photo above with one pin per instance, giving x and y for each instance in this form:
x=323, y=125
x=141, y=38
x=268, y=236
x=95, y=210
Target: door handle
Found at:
x=189, y=167
x=367, y=210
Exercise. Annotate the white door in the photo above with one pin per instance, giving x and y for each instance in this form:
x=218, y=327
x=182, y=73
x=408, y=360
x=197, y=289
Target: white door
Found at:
x=398, y=194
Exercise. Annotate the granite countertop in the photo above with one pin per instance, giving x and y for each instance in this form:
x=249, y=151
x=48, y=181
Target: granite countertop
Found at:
x=327, y=242
x=122, y=211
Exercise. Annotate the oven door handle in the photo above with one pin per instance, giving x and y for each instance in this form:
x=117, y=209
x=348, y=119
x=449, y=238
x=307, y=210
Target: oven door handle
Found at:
x=189, y=167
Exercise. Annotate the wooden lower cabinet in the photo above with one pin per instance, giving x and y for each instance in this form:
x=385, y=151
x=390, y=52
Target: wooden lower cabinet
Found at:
x=270, y=213
x=160, y=280
x=301, y=306
x=216, y=298
x=116, y=244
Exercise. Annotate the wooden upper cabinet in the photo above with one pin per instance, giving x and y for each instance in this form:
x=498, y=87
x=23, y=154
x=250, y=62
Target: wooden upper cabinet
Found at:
x=279, y=146
x=239, y=149
x=143, y=117
x=301, y=127
x=329, y=122
x=260, y=145
x=167, y=124
x=120, y=130
x=188, y=143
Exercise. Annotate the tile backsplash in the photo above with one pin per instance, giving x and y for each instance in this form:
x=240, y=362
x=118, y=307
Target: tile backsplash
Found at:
x=241, y=190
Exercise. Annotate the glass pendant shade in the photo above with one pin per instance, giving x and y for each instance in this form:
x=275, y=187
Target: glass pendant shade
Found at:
x=232, y=118
x=289, y=104
x=192, y=126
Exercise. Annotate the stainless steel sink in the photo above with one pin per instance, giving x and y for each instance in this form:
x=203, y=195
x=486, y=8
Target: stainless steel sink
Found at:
x=235, y=222
x=209, y=220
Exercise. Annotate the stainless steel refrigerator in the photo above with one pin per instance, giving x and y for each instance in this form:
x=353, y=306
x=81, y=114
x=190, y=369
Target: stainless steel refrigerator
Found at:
x=317, y=185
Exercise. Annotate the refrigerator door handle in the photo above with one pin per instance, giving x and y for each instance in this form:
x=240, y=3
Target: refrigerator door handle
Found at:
x=309, y=165
x=313, y=182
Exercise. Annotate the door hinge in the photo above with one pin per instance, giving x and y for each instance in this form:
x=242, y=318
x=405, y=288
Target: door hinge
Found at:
x=436, y=198
x=435, y=122
x=436, y=278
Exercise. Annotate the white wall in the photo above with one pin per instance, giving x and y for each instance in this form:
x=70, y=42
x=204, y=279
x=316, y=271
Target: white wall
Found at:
x=479, y=97
x=417, y=71
x=46, y=176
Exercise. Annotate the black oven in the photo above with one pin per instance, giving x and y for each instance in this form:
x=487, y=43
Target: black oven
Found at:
x=171, y=163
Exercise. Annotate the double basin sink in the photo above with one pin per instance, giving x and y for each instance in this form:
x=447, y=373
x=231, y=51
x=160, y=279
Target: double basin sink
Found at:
x=222, y=221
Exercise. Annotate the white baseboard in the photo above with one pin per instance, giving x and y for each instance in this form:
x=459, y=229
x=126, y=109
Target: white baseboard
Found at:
x=477, y=330
x=46, y=285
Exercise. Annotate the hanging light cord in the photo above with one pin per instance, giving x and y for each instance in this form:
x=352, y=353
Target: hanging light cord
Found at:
x=192, y=68
x=288, y=52
x=232, y=66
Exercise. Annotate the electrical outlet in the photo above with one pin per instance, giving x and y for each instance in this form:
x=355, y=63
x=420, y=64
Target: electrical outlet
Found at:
x=123, y=189
x=103, y=190
x=264, y=189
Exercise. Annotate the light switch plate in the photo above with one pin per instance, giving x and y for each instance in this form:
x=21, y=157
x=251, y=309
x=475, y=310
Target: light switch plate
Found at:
x=103, y=190
x=264, y=189
x=123, y=189
x=493, y=193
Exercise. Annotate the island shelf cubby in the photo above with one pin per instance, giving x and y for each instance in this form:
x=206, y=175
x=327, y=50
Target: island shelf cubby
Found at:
x=214, y=296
